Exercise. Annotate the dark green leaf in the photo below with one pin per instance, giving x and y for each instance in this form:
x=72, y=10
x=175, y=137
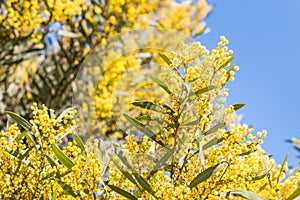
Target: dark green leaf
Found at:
x=206, y=174
x=20, y=120
x=62, y=157
x=18, y=155
x=282, y=166
x=51, y=162
x=67, y=188
x=125, y=173
x=122, y=192
x=294, y=195
x=30, y=139
x=141, y=127
x=165, y=58
x=238, y=106
x=246, y=195
x=215, y=128
x=203, y=90
x=143, y=183
x=146, y=105
x=161, y=84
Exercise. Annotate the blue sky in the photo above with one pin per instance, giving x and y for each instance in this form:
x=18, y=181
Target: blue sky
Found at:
x=265, y=38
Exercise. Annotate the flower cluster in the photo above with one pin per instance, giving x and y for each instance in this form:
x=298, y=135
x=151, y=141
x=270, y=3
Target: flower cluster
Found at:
x=222, y=160
x=34, y=167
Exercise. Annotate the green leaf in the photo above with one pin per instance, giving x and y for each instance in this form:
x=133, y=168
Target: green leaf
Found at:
x=30, y=139
x=165, y=58
x=164, y=159
x=144, y=183
x=215, y=128
x=62, y=157
x=193, y=123
x=68, y=189
x=161, y=84
x=18, y=155
x=20, y=120
x=146, y=105
x=282, y=166
x=212, y=142
x=294, y=195
x=125, y=173
x=54, y=195
x=246, y=195
x=203, y=90
x=141, y=127
x=80, y=144
x=145, y=117
x=228, y=72
x=229, y=60
x=122, y=192
x=50, y=161
x=206, y=174
x=238, y=106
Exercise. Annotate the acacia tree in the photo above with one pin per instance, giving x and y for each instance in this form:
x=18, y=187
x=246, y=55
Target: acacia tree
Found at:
x=44, y=42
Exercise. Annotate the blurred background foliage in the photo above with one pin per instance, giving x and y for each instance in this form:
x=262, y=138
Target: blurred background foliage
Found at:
x=44, y=42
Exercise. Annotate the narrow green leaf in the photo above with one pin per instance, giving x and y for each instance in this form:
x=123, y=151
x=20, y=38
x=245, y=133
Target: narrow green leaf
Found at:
x=282, y=166
x=144, y=183
x=20, y=136
x=165, y=58
x=164, y=159
x=294, y=195
x=228, y=72
x=141, y=127
x=125, y=173
x=212, y=142
x=229, y=60
x=54, y=195
x=122, y=192
x=62, y=157
x=206, y=174
x=20, y=120
x=80, y=144
x=193, y=123
x=67, y=188
x=145, y=117
x=30, y=139
x=16, y=154
x=203, y=90
x=215, y=128
x=245, y=194
x=161, y=84
x=146, y=105
x=238, y=106
x=50, y=161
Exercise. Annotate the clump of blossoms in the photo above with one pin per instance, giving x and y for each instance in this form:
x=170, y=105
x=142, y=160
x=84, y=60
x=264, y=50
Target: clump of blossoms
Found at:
x=38, y=162
x=198, y=152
